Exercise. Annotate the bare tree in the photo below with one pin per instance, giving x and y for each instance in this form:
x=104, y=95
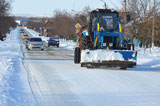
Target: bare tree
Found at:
x=142, y=15
x=4, y=7
x=6, y=21
x=64, y=22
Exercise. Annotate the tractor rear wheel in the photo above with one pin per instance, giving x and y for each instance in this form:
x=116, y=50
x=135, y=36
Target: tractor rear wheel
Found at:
x=77, y=55
x=86, y=43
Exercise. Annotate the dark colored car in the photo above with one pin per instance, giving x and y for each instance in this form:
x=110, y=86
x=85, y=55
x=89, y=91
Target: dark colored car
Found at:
x=21, y=31
x=53, y=42
x=1, y=38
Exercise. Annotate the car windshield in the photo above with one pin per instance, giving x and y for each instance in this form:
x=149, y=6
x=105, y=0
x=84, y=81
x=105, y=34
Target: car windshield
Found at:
x=35, y=39
x=53, y=39
x=25, y=35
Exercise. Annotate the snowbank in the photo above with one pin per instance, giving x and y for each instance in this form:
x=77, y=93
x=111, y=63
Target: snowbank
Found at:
x=14, y=88
x=68, y=44
x=147, y=58
x=5, y=65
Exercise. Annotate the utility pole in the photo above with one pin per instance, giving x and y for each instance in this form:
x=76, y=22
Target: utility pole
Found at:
x=153, y=27
x=125, y=16
x=105, y=5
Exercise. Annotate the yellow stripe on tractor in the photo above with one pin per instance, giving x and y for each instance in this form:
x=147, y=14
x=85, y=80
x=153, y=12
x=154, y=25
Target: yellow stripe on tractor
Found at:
x=95, y=44
x=98, y=27
x=120, y=28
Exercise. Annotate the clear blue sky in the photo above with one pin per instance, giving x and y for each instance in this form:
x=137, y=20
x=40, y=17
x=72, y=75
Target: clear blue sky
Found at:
x=38, y=7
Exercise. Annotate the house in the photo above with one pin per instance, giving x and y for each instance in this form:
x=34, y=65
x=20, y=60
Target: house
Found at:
x=47, y=29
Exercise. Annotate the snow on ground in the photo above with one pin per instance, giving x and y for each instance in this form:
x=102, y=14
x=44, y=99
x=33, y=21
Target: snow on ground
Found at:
x=148, y=61
x=69, y=44
x=14, y=88
x=146, y=56
x=109, y=87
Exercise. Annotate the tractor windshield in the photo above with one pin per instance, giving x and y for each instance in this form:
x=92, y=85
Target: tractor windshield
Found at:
x=107, y=24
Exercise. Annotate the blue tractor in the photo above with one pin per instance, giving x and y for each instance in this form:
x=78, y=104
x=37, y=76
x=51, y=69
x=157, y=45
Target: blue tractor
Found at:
x=104, y=32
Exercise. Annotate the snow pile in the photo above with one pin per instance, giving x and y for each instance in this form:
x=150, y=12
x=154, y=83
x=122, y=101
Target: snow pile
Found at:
x=8, y=51
x=99, y=55
x=154, y=52
x=5, y=65
x=14, y=88
x=68, y=44
x=149, y=59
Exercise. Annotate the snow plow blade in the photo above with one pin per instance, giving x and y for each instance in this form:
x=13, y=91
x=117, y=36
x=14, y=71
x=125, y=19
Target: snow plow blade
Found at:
x=110, y=64
x=108, y=59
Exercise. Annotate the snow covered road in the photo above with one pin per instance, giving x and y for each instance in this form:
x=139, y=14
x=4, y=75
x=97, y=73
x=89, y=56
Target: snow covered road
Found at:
x=49, y=87
x=62, y=83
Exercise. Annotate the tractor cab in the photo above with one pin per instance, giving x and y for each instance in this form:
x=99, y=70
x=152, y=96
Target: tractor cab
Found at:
x=105, y=29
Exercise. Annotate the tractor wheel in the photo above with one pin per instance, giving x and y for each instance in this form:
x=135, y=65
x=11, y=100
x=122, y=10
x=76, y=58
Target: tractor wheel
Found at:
x=89, y=44
x=123, y=68
x=86, y=43
x=77, y=55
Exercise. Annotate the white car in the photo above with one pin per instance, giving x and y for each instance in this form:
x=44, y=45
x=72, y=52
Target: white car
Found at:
x=34, y=42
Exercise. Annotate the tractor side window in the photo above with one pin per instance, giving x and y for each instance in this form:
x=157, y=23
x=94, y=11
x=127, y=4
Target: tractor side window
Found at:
x=94, y=24
x=102, y=25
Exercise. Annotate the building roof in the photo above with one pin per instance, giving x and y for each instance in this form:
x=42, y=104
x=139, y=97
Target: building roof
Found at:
x=48, y=24
x=24, y=20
